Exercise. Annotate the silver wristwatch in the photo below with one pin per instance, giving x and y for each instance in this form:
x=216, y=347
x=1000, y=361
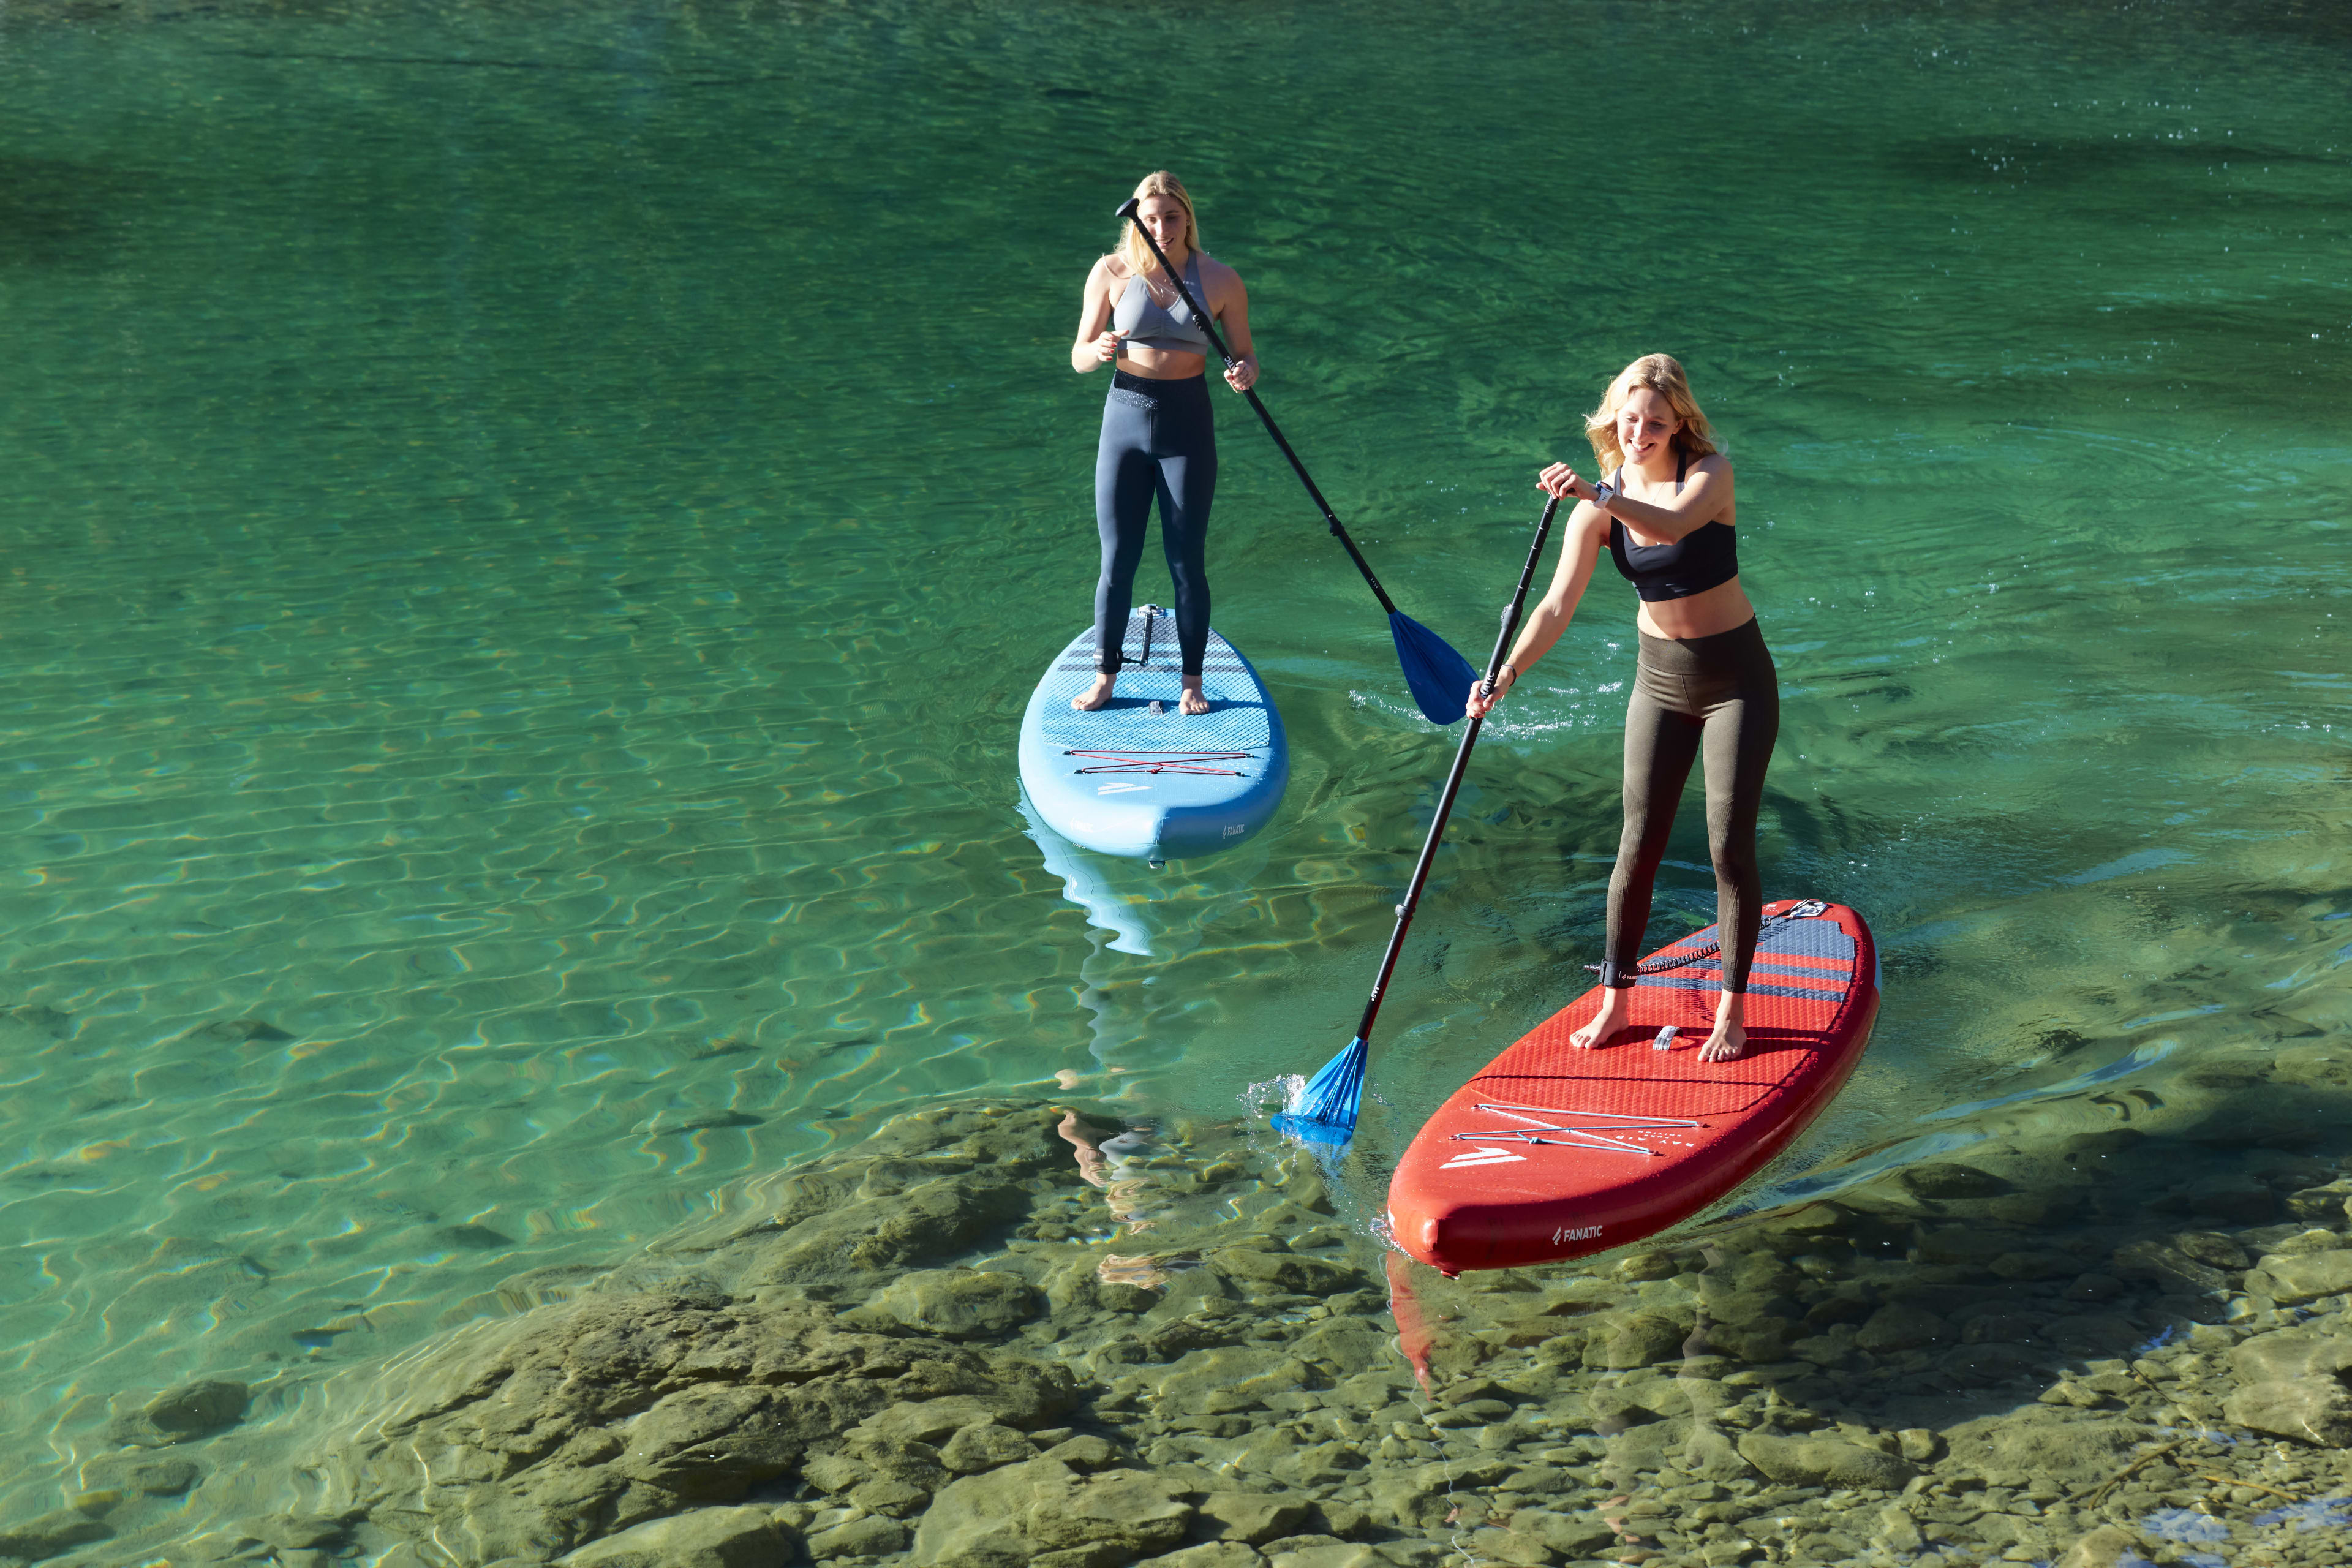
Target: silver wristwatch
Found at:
x=1603, y=494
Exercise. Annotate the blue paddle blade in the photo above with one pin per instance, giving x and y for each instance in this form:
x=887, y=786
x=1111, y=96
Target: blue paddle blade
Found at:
x=1324, y=1109
x=1441, y=678
x=1323, y=1142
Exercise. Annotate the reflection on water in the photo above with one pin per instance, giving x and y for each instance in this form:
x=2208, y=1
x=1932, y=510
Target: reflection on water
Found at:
x=528, y=534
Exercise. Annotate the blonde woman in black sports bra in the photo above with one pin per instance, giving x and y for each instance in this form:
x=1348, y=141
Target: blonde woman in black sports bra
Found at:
x=1703, y=685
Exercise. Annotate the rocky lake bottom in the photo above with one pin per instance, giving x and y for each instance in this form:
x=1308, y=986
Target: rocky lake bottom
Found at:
x=1003, y=1332
x=536, y=1033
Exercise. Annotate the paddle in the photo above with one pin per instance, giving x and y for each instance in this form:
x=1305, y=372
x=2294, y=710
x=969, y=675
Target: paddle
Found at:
x=1324, y=1110
x=1437, y=675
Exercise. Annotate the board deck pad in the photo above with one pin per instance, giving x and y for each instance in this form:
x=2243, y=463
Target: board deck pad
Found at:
x=1553, y=1153
x=1126, y=781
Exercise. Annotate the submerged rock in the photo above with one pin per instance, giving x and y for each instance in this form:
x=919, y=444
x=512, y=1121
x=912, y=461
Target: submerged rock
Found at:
x=194, y=1408
x=52, y=1533
x=1898, y=1327
x=962, y=1303
x=1254, y=1517
x=706, y=1538
x=874, y=1535
x=2308, y=1409
x=983, y=1446
x=1209, y=1555
x=955, y=1342
x=2109, y=1546
x=165, y=1476
x=2292, y=1280
x=242, y=1031
x=617, y=1410
x=2052, y=1447
x=2290, y=1352
x=1014, y=1515
x=2326, y=1202
x=295, y=1532
x=1632, y=1340
x=183, y=1414
x=2167, y=1265
x=1953, y=1180
x=1823, y=1461
x=2290, y=1386
x=1285, y=1271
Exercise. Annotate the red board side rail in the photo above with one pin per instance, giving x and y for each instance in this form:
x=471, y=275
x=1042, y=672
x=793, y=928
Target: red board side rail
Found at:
x=1553, y=1153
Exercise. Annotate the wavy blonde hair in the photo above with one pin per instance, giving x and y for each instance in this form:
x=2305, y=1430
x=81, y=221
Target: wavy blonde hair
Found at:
x=1132, y=250
x=1661, y=375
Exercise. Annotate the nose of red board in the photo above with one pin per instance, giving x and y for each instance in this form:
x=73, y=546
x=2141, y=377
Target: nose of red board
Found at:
x=1419, y=1234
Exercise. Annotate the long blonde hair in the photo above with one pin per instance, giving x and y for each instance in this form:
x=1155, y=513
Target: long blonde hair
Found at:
x=1132, y=250
x=1662, y=376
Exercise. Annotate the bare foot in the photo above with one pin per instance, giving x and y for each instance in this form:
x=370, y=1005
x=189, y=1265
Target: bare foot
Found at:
x=1615, y=1004
x=1094, y=696
x=1730, y=1036
x=1195, y=701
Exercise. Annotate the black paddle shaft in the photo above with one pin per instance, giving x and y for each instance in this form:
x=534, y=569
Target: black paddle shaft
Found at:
x=1453, y=780
x=1127, y=210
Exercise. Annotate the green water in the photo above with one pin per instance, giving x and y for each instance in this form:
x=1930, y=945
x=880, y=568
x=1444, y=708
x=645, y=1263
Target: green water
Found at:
x=528, y=533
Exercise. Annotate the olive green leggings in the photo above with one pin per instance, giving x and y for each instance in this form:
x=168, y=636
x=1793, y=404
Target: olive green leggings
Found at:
x=1717, y=696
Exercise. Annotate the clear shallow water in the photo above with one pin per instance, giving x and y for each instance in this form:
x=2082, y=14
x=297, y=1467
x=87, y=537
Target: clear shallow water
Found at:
x=530, y=534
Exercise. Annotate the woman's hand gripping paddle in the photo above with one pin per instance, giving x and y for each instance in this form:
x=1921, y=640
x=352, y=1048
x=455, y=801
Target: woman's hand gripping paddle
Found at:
x=1324, y=1110
x=1437, y=675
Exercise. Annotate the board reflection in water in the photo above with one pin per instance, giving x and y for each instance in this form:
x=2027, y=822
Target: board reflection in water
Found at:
x=1144, y=914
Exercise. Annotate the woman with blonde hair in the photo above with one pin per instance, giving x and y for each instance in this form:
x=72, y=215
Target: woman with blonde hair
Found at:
x=1157, y=434
x=1703, y=685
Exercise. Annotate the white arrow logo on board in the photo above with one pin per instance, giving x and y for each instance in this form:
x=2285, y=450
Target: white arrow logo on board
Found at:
x=1584, y=1130
x=1481, y=1157
x=1119, y=787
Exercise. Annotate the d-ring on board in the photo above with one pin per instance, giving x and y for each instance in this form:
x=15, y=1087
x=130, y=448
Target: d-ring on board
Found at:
x=1578, y=1137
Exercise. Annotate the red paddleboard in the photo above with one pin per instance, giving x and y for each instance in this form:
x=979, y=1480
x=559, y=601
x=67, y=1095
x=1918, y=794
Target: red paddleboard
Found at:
x=1554, y=1152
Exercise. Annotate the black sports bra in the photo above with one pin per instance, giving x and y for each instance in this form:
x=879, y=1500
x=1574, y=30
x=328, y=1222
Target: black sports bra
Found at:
x=1706, y=557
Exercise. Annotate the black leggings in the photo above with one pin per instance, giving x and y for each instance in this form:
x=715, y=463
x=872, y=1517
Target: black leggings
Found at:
x=1157, y=440
x=1719, y=695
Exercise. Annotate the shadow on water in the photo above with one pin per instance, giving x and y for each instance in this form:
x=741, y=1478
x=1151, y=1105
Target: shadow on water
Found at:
x=2048, y=1312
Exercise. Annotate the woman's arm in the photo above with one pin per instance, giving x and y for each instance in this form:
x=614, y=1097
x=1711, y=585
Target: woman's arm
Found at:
x=1096, y=344
x=1587, y=528
x=1707, y=495
x=1229, y=303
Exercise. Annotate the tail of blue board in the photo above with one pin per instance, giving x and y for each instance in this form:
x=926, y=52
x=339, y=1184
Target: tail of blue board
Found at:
x=1139, y=778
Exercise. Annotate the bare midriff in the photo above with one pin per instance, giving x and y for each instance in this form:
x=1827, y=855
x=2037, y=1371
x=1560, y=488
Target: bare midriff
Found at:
x=1160, y=365
x=1722, y=608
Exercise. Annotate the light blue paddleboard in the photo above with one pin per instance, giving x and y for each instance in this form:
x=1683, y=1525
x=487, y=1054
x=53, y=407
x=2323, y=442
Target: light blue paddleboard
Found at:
x=1160, y=786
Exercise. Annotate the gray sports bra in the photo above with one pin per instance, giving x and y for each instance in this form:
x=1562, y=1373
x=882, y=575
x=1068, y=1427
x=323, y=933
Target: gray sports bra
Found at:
x=1172, y=329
